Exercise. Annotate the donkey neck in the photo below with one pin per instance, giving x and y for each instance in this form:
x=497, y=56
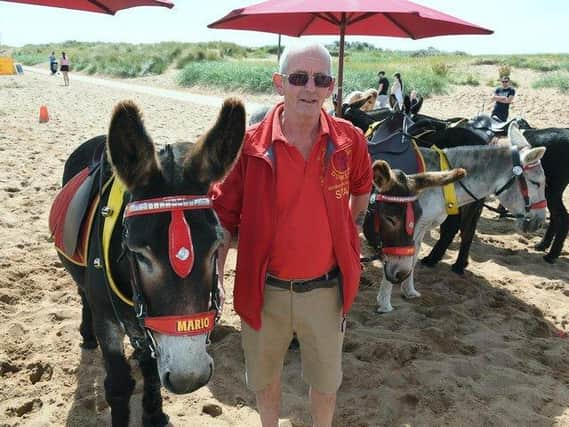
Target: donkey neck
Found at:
x=488, y=168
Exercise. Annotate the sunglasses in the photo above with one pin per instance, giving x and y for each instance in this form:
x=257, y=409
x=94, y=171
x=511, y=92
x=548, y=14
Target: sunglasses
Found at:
x=301, y=79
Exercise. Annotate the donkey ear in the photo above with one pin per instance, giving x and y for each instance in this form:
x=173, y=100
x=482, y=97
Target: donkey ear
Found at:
x=130, y=148
x=532, y=156
x=214, y=153
x=436, y=179
x=382, y=176
x=516, y=137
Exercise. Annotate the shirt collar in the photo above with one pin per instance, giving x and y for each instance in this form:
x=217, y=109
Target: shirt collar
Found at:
x=277, y=132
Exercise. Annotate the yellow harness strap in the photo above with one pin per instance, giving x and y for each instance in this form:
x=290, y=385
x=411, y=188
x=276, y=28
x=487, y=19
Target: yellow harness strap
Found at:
x=371, y=128
x=114, y=203
x=451, y=203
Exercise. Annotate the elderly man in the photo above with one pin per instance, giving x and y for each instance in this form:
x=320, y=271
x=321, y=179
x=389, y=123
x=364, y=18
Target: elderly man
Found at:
x=293, y=196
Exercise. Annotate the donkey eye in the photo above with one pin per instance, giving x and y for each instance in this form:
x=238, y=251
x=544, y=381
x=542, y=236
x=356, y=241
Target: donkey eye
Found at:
x=536, y=183
x=142, y=259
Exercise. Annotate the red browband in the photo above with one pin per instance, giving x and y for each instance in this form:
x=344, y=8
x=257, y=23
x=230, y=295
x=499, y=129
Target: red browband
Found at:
x=183, y=325
x=379, y=197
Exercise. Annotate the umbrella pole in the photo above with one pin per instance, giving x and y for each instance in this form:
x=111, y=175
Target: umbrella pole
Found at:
x=340, y=80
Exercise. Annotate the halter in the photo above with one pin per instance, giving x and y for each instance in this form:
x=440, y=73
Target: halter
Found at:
x=181, y=255
x=518, y=174
x=409, y=221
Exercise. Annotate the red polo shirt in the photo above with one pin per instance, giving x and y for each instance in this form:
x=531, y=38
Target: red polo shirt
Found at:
x=302, y=247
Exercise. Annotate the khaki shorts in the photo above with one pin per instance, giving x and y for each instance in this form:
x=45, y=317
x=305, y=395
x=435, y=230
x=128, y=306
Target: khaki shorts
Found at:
x=316, y=317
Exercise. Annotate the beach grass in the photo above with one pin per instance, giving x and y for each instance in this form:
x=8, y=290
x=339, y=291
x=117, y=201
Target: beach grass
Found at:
x=229, y=66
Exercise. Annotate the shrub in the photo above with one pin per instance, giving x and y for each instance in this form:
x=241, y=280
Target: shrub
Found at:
x=559, y=81
x=504, y=70
x=440, y=69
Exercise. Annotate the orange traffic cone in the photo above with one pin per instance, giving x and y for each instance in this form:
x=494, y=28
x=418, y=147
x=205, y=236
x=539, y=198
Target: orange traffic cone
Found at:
x=44, y=116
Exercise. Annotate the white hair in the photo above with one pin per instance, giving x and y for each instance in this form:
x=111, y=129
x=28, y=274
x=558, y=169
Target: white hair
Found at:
x=304, y=48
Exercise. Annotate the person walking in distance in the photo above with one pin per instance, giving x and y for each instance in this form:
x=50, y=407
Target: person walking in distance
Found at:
x=293, y=196
x=397, y=90
x=64, y=64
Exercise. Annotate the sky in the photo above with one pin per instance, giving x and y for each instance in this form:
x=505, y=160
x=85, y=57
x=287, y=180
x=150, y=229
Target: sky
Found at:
x=520, y=26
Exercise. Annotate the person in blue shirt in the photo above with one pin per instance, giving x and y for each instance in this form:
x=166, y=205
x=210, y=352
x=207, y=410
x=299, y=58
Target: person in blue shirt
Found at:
x=52, y=63
x=503, y=96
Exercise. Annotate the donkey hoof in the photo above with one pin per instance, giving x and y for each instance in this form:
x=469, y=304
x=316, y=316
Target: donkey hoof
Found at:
x=383, y=310
x=89, y=345
x=411, y=295
x=549, y=258
x=155, y=420
x=458, y=269
x=542, y=247
x=429, y=262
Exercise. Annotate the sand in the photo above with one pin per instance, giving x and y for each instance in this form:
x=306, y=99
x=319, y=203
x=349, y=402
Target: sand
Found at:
x=479, y=350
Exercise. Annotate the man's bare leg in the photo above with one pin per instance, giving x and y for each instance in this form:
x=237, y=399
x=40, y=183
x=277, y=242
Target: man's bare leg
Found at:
x=322, y=406
x=269, y=403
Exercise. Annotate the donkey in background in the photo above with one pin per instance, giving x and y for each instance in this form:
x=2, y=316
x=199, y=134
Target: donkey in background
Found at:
x=514, y=174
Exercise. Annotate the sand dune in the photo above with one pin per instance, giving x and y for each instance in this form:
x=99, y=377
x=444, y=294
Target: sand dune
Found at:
x=478, y=350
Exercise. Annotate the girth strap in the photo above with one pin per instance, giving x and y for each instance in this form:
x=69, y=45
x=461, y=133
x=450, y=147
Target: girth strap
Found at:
x=451, y=202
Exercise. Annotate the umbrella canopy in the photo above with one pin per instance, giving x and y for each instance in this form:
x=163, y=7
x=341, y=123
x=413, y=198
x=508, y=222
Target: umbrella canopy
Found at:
x=392, y=18
x=102, y=6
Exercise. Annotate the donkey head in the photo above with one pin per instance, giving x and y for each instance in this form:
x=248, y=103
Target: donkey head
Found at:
x=524, y=194
x=171, y=236
x=398, y=211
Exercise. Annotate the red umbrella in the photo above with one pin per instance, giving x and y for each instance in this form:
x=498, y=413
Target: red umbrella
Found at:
x=102, y=6
x=393, y=18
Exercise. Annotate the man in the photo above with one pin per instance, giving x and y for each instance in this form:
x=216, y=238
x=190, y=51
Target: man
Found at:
x=503, y=96
x=302, y=179
x=53, y=63
x=382, y=87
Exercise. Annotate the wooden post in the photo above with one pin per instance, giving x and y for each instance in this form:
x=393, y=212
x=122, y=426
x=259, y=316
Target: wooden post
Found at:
x=340, y=79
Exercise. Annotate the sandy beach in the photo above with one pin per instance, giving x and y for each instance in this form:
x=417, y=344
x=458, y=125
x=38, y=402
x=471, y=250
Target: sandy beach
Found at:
x=485, y=349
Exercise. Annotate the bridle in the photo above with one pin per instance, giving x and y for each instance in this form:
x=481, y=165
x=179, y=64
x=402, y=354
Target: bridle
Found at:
x=181, y=255
x=409, y=202
x=517, y=175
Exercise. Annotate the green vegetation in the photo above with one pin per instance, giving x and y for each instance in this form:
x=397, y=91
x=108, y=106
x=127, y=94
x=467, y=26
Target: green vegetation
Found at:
x=232, y=67
x=559, y=81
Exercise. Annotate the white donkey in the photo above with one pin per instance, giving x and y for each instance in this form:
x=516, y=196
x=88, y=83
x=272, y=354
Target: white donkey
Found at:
x=512, y=173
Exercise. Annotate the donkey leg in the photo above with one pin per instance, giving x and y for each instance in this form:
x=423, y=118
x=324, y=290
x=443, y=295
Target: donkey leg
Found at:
x=408, y=288
x=86, y=327
x=384, y=296
x=469, y=216
x=547, y=239
x=152, y=415
x=562, y=227
x=119, y=383
x=449, y=228
x=553, y=207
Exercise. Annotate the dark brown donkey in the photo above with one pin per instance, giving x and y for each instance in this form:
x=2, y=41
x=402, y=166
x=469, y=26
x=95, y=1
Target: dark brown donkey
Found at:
x=149, y=267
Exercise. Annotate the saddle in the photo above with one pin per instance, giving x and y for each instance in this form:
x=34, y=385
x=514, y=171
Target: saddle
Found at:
x=389, y=141
x=72, y=213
